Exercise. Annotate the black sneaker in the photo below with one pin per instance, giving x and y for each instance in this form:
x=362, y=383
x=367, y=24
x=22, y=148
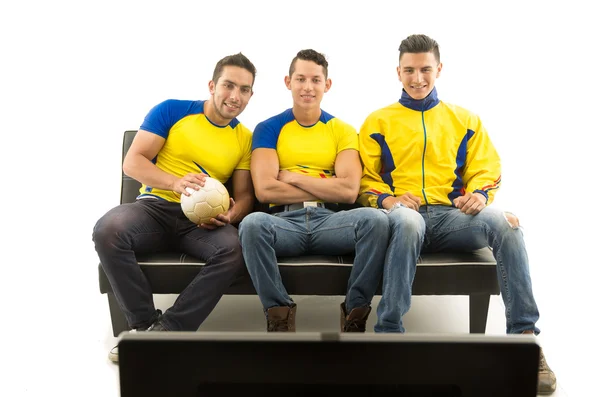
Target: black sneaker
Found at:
x=113, y=354
x=157, y=327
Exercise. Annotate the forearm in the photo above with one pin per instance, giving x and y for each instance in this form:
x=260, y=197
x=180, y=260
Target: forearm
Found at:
x=335, y=190
x=243, y=206
x=482, y=170
x=144, y=171
x=485, y=184
x=278, y=192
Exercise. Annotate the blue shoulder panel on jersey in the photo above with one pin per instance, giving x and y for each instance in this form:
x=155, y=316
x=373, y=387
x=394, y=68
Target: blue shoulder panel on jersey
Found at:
x=163, y=116
x=267, y=132
x=325, y=117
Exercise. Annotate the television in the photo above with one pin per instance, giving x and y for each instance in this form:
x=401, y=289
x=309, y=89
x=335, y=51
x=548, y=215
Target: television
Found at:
x=195, y=364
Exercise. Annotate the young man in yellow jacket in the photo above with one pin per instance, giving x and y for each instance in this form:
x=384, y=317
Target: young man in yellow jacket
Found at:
x=433, y=166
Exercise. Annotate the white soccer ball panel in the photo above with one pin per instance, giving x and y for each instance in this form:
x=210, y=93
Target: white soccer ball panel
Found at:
x=187, y=202
x=211, y=200
x=214, y=198
x=205, y=211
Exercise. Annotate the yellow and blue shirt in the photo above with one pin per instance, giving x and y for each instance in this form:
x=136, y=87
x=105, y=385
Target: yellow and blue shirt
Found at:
x=310, y=150
x=434, y=150
x=194, y=144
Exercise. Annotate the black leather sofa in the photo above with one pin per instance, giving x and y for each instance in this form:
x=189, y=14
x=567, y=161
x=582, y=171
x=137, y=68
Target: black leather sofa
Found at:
x=472, y=274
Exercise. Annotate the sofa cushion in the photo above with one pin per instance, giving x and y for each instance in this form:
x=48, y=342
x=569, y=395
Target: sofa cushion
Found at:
x=437, y=274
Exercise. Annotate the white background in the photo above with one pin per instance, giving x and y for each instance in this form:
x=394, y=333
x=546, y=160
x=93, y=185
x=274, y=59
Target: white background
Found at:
x=75, y=75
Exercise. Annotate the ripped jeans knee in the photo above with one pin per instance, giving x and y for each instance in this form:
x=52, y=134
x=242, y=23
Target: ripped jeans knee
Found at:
x=512, y=219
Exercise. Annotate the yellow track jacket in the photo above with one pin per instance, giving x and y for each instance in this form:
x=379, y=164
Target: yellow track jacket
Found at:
x=432, y=149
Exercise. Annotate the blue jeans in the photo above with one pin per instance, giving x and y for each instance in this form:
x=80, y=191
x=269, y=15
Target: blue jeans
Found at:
x=150, y=226
x=315, y=230
x=444, y=228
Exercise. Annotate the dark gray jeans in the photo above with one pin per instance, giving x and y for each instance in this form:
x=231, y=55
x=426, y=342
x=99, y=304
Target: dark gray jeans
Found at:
x=149, y=226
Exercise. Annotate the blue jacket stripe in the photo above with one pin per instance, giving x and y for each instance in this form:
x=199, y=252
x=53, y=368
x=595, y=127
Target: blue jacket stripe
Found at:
x=461, y=158
x=387, y=161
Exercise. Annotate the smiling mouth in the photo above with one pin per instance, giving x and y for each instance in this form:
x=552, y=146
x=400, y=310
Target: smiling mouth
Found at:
x=230, y=106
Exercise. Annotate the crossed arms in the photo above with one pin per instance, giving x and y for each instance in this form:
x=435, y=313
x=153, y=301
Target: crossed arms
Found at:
x=285, y=187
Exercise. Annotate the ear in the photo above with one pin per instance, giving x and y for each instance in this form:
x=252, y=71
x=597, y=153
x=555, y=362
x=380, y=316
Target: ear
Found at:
x=288, y=82
x=439, y=70
x=211, y=87
x=328, y=83
x=398, y=69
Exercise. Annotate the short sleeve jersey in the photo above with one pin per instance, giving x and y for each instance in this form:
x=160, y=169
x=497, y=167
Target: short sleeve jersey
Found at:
x=193, y=144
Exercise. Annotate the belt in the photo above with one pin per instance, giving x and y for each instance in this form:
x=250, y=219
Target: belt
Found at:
x=298, y=206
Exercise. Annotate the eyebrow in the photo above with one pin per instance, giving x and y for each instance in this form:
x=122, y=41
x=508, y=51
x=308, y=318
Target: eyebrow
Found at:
x=316, y=75
x=234, y=83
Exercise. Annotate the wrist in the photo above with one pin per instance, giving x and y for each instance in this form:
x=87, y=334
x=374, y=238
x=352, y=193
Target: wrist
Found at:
x=172, y=182
x=482, y=194
x=293, y=179
x=389, y=202
x=385, y=201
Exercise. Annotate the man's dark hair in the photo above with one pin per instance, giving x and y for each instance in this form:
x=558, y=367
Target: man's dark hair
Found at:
x=310, y=55
x=238, y=60
x=418, y=43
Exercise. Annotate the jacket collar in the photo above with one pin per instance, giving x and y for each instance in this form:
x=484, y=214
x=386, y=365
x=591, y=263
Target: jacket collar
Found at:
x=420, y=105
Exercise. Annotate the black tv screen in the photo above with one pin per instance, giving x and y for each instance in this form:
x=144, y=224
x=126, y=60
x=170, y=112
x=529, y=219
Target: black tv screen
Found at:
x=194, y=364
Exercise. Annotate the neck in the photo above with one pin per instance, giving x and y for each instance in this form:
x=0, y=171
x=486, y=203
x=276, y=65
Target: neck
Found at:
x=212, y=115
x=306, y=117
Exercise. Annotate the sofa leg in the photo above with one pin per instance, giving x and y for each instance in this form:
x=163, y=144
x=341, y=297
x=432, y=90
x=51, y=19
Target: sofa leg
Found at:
x=119, y=323
x=478, y=311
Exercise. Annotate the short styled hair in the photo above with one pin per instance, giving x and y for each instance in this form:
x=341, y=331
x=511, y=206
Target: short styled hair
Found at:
x=310, y=55
x=238, y=60
x=418, y=43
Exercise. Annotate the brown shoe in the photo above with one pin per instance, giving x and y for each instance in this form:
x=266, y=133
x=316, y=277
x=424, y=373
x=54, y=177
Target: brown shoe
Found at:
x=281, y=319
x=546, y=377
x=356, y=321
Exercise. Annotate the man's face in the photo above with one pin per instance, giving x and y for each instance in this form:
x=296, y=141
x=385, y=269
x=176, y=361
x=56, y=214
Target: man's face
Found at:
x=418, y=72
x=308, y=84
x=231, y=93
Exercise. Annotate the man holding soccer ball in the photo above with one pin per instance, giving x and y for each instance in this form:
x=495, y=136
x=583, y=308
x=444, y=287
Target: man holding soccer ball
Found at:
x=178, y=145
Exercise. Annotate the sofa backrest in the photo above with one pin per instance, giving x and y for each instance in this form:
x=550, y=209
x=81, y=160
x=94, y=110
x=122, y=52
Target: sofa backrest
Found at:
x=130, y=188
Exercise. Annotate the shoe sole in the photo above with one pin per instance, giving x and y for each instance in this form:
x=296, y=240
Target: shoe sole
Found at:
x=113, y=357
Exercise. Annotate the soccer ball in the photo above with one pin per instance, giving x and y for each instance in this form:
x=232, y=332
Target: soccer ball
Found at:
x=211, y=200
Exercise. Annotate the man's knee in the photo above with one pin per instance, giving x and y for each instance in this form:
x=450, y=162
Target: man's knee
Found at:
x=374, y=219
x=512, y=219
x=228, y=245
x=107, y=228
x=406, y=219
x=117, y=222
x=253, y=222
x=496, y=218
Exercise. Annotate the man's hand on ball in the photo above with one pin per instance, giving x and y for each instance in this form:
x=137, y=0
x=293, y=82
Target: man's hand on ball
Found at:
x=220, y=220
x=191, y=180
